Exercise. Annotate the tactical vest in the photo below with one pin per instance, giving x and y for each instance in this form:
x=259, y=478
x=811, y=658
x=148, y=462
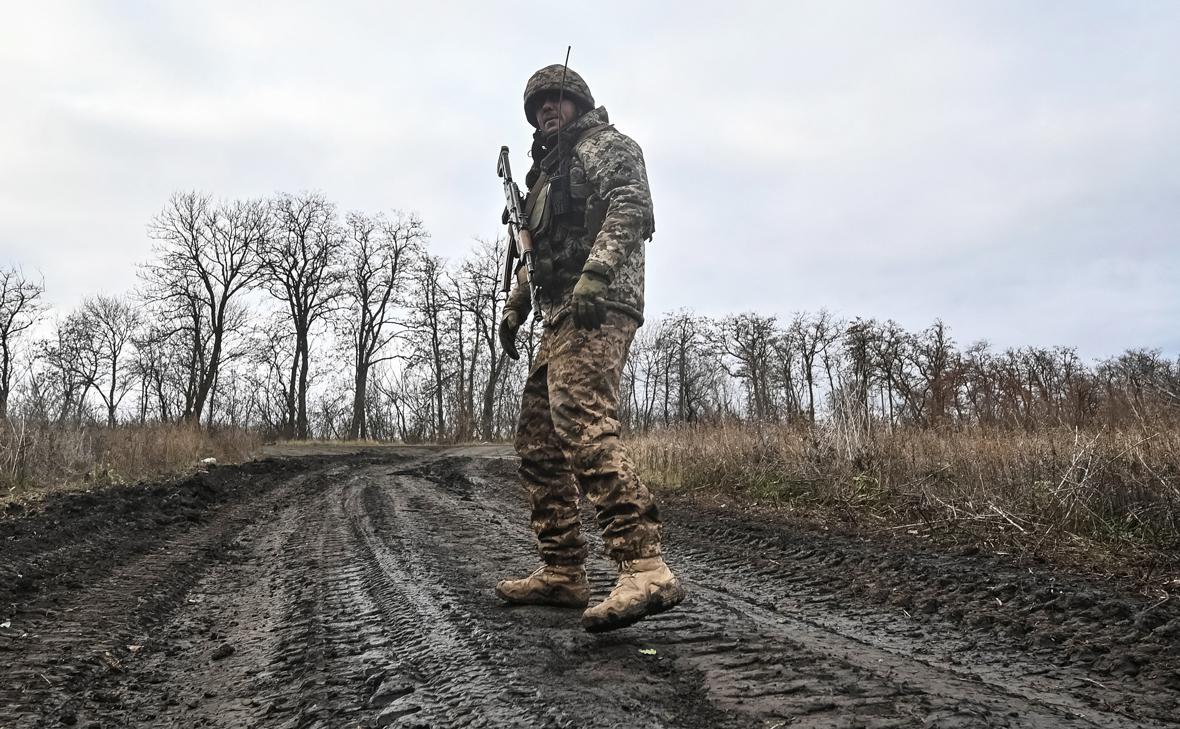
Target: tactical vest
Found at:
x=558, y=219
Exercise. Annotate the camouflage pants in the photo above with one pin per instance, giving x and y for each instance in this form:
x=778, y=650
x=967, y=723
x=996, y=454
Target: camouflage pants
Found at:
x=568, y=442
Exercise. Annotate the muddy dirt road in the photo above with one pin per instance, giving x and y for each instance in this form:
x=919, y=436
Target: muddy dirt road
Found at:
x=335, y=591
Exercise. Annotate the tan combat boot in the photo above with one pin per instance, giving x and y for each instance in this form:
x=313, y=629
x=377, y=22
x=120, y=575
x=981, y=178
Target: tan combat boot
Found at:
x=550, y=584
x=645, y=587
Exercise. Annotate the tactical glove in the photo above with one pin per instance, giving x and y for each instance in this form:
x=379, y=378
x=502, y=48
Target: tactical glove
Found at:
x=589, y=299
x=508, y=327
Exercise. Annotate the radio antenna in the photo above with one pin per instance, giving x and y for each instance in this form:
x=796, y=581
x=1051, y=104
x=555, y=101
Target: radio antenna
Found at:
x=561, y=96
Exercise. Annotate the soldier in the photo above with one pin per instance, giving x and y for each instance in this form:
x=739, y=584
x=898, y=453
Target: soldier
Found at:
x=589, y=210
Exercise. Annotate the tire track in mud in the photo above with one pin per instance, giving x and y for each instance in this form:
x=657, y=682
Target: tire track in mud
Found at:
x=789, y=667
x=999, y=644
x=268, y=639
x=764, y=671
x=486, y=665
x=771, y=662
x=358, y=593
x=451, y=670
x=65, y=651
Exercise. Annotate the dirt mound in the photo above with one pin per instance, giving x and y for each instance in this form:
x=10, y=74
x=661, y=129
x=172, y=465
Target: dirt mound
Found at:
x=65, y=539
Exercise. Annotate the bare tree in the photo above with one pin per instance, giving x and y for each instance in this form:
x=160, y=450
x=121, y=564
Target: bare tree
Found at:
x=934, y=356
x=20, y=306
x=808, y=334
x=272, y=355
x=479, y=281
x=747, y=339
x=409, y=393
x=1140, y=381
x=887, y=345
x=377, y=255
x=828, y=330
x=300, y=261
x=428, y=325
x=72, y=364
x=690, y=363
x=206, y=256
x=642, y=379
x=159, y=356
x=857, y=349
x=112, y=323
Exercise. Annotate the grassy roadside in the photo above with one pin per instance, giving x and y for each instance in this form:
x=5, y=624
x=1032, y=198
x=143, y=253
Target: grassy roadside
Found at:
x=51, y=456
x=1106, y=500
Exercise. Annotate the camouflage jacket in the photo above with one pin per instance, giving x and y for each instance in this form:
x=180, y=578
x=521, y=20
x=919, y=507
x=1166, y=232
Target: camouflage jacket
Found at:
x=589, y=208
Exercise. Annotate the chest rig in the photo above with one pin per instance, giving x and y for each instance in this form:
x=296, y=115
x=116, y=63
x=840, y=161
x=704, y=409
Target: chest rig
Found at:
x=560, y=217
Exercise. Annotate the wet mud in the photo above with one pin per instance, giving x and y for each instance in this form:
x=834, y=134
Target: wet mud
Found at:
x=355, y=591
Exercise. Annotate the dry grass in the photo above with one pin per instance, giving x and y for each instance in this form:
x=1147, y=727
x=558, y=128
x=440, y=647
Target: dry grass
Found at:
x=45, y=455
x=1108, y=498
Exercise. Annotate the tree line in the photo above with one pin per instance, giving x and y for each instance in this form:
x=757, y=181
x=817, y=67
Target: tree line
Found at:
x=688, y=368
x=288, y=316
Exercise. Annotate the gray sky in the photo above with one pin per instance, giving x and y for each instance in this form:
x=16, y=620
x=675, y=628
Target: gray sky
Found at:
x=1010, y=167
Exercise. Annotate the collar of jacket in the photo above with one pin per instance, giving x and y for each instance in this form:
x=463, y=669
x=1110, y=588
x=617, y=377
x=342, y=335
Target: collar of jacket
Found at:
x=547, y=156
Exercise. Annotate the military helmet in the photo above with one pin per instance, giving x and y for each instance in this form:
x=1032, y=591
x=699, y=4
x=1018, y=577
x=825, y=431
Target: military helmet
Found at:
x=549, y=79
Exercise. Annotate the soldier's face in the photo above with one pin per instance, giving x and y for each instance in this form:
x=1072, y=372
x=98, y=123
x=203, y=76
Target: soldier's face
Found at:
x=551, y=115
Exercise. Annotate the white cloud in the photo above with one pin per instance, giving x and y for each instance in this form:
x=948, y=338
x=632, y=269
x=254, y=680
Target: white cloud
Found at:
x=987, y=163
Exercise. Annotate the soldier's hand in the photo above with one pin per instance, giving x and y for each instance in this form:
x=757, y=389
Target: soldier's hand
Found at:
x=508, y=326
x=589, y=300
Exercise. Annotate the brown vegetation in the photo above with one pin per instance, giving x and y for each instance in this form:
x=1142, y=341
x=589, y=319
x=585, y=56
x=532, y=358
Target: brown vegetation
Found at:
x=33, y=456
x=1099, y=497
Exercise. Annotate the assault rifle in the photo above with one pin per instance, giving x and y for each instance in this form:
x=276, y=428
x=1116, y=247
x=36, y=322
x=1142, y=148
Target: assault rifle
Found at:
x=520, y=241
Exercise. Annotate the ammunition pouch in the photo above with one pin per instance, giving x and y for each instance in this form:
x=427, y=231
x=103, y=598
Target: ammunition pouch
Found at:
x=562, y=226
x=537, y=209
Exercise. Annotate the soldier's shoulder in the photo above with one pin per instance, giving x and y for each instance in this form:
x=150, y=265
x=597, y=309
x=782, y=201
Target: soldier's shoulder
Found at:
x=607, y=142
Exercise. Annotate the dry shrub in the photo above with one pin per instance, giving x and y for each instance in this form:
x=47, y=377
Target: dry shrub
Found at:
x=1103, y=493
x=45, y=455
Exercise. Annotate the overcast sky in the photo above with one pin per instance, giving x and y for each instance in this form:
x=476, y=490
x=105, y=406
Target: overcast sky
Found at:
x=1010, y=167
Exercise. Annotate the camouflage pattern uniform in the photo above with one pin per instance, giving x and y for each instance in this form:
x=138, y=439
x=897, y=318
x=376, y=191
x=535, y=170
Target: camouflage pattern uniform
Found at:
x=590, y=209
